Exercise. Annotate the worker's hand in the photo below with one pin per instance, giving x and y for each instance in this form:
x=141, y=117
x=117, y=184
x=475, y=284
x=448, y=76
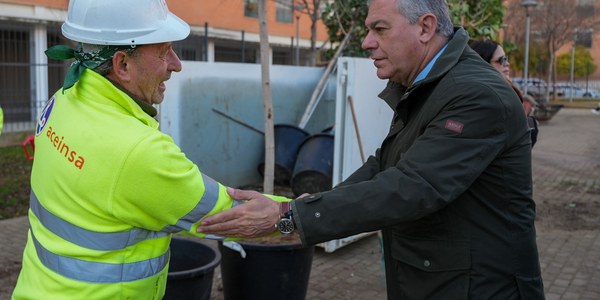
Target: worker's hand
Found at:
x=254, y=218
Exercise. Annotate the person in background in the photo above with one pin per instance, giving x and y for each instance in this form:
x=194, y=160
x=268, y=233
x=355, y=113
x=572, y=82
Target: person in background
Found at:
x=450, y=185
x=108, y=188
x=494, y=54
x=595, y=111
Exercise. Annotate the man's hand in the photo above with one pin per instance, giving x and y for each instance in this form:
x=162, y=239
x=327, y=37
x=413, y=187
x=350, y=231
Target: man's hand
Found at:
x=254, y=218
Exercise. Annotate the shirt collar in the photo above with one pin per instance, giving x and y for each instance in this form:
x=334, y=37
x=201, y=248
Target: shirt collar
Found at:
x=429, y=66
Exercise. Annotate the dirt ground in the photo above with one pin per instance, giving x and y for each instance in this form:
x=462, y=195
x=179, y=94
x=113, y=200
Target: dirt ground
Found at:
x=566, y=172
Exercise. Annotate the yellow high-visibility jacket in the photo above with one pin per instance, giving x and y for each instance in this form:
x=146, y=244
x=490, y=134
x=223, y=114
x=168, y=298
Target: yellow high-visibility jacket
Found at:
x=1, y=119
x=108, y=191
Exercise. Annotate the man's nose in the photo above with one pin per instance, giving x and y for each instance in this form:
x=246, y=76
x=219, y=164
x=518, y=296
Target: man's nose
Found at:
x=174, y=62
x=368, y=42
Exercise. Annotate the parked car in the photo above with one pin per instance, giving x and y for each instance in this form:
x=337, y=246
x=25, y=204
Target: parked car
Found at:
x=566, y=90
x=591, y=93
x=536, y=87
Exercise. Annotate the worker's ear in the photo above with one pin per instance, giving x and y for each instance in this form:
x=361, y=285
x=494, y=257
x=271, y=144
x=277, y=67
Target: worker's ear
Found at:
x=120, y=67
x=428, y=24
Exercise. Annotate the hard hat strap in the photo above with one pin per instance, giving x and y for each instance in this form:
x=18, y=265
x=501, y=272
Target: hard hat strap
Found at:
x=83, y=60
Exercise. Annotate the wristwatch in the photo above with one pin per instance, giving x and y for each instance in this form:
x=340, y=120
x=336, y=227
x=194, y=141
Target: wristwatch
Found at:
x=286, y=223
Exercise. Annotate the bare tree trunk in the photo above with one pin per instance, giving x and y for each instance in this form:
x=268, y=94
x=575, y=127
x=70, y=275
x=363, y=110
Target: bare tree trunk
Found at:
x=550, y=82
x=269, y=172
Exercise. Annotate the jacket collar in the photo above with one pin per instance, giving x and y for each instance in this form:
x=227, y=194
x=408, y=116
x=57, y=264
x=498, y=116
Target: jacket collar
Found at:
x=147, y=108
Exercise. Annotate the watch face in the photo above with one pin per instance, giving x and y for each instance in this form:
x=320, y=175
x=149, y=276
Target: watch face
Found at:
x=285, y=226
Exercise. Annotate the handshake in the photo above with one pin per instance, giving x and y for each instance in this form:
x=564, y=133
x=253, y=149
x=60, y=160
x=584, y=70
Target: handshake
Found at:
x=257, y=216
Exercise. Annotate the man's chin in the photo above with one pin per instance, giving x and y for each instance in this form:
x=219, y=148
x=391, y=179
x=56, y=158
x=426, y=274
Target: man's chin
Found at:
x=158, y=97
x=382, y=74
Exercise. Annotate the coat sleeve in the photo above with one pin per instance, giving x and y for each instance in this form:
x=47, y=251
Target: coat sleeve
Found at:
x=454, y=148
x=365, y=172
x=160, y=189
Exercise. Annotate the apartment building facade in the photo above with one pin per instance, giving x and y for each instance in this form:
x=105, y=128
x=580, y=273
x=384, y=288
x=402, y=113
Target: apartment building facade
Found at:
x=221, y=31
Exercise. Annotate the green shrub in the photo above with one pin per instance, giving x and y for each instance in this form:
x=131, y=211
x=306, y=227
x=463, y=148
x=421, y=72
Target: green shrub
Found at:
x=15, y=172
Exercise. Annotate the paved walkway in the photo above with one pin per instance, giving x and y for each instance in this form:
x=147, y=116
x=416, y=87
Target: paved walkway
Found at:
x=566, y=164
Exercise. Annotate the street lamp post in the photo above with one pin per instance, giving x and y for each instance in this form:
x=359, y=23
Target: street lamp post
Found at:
x=527, y=4
x=297, y=40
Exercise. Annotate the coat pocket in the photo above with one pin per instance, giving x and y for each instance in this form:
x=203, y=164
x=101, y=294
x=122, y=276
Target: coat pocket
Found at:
x=432, y=269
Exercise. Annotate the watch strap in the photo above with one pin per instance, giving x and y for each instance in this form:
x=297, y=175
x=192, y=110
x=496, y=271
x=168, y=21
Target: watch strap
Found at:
x=284, y=210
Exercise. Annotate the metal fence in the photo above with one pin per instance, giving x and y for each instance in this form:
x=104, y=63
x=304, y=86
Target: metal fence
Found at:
x=20, y=83
x=18, y=117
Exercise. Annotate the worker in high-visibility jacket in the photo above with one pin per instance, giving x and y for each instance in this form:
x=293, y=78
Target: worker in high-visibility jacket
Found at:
x=108, y=188
x=1, y=119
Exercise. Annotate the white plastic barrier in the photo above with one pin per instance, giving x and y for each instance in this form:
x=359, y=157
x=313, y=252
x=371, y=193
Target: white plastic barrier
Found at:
x=357, y=90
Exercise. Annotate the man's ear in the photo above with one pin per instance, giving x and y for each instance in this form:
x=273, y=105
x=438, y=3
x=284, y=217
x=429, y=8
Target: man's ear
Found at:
x=120, y=68
x=428, y=24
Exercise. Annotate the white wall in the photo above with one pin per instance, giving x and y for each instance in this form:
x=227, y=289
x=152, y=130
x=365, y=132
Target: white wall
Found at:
x=224, y=149
x=230, y=152
x=356, y=79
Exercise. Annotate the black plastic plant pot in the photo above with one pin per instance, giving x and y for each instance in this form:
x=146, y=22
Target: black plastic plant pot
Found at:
x=313, y=171
x=288, y=139
x=269, y=271
x=191, y=270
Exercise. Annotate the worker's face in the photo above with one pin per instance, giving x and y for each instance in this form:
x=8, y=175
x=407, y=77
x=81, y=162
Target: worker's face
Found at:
x=149, y=67
x=394, y=43
x=500, y=62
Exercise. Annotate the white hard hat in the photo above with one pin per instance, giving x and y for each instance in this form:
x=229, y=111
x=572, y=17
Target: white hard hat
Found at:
x=123, y=22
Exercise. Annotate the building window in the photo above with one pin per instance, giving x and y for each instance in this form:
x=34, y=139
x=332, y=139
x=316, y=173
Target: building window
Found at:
x=15, y=71
x=251, y=8
x=585, y=9
x=584, y=37
x=191, y=48
x=233, y=53
x=585, y=2
x=282, y=56
x=284, y=11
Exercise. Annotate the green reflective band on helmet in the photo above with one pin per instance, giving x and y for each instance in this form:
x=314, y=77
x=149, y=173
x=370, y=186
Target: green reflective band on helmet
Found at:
x=205, y=205
x=97, y=272
x=89, y=239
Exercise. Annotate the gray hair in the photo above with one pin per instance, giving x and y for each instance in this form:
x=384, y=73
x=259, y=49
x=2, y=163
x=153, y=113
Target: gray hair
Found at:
x=105, y=67
x=413, y=9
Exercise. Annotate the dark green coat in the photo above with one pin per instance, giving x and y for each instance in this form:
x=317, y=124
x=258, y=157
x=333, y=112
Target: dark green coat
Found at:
x=450, y=186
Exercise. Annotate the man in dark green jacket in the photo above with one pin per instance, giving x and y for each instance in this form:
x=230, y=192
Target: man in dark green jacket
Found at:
x=450, y=186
